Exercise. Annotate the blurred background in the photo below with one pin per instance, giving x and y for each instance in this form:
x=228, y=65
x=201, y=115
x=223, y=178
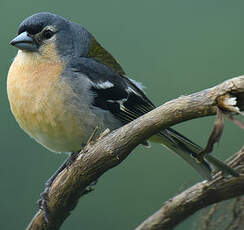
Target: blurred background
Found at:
x=174, y=48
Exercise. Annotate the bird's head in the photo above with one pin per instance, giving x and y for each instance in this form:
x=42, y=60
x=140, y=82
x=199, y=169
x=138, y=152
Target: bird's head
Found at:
x=46, y=33
x=51, y=35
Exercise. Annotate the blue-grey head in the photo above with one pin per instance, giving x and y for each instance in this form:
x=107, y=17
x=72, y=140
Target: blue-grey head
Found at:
x=45, y=31
x=45, y=28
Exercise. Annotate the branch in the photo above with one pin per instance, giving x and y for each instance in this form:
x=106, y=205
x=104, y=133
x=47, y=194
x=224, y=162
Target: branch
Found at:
x=112, y=149
x=197, y=197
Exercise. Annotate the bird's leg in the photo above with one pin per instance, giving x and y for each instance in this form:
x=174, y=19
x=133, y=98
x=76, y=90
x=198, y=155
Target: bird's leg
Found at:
x=44, y=195
x=68, y=162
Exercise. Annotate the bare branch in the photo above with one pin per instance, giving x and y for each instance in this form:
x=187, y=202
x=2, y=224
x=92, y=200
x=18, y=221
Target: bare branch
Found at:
x=197, y=197
x=112, y=149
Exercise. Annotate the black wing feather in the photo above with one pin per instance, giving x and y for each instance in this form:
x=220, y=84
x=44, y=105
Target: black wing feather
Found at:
x=126, y=104
x=120, y=96
x=123, y=99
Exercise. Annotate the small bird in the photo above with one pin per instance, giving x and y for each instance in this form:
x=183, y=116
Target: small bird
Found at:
x=63, y=84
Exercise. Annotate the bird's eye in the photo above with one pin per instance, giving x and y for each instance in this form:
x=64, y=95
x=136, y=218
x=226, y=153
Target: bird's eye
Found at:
x=47, y=34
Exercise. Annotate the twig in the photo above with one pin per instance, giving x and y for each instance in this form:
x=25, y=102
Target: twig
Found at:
x=209, y=217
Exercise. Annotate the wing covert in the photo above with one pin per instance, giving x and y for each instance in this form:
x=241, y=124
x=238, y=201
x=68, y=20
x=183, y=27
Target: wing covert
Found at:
x=113, y=92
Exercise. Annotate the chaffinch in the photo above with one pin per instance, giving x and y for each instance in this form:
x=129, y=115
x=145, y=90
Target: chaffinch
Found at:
x=63, y=84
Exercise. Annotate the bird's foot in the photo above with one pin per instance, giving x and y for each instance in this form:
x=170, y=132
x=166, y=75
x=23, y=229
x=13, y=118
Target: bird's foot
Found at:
x=43, y=202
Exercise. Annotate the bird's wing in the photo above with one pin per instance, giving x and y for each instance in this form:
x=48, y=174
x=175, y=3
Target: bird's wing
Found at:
x=126, y=101
x=114, y=92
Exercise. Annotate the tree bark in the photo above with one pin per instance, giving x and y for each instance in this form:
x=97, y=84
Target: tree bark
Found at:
x=111, y=149
x=197, y=197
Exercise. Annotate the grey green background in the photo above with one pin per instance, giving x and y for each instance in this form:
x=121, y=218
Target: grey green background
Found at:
x=174, y=47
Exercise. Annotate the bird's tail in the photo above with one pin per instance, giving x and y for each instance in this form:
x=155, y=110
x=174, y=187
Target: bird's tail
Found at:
x=189, y=151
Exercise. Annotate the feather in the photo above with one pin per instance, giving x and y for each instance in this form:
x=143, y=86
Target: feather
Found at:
x=126, y=101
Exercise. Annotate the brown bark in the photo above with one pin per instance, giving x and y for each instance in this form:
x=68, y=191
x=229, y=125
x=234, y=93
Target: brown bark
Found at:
x=112, y=149
x=197, y=197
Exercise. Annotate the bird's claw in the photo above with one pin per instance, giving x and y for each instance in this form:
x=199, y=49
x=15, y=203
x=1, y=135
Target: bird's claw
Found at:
x=43, y=202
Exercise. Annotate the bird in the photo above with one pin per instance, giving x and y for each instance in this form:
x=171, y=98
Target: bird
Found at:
x=63, y=84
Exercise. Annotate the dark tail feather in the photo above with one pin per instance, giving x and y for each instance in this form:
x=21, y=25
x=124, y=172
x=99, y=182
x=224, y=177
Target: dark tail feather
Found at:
x=189, y=151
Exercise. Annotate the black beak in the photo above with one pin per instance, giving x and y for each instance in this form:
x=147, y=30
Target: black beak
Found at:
x=24, y=42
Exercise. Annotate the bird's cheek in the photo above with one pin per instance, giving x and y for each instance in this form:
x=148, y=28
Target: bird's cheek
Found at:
x=49, y=51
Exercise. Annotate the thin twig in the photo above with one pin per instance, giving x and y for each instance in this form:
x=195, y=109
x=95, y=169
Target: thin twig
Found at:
x=207, y=220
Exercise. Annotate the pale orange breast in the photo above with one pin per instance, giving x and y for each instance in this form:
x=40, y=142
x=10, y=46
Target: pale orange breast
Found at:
x=37, y=98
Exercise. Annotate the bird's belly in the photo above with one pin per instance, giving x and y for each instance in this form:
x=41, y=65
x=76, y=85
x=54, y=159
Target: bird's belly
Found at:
x=39, y=100
x=63, y=134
